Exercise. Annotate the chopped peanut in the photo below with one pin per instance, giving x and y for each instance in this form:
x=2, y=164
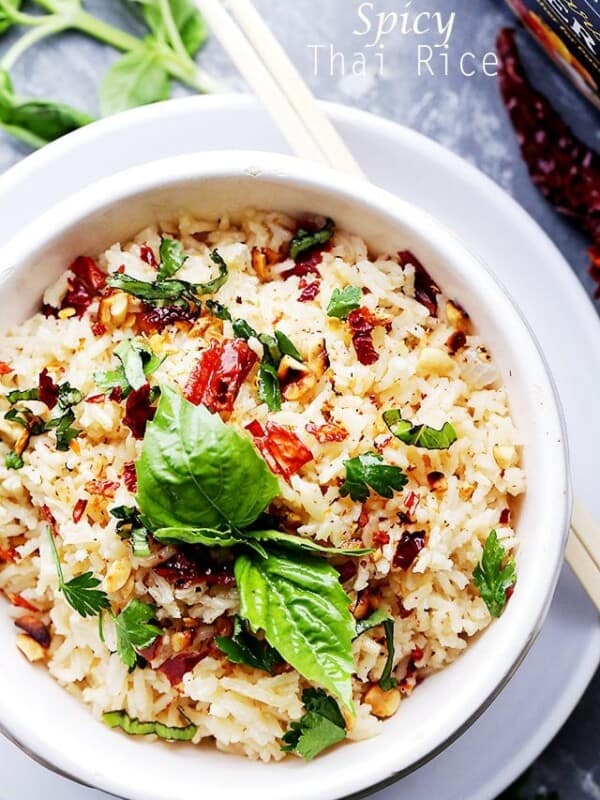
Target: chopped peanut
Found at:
x=383, y=704
x=65, y=313
x=434, y=362
x=362, y=606
x=457, y=317
x=113, y=310
x=437, y=481
x=296, y=379
x=29, y=647
x=181, y=640
x=260, y=264
x=117, y=575
x=504, y=455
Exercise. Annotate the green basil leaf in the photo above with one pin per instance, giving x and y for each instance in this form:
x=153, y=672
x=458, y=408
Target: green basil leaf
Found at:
x=269, y=390
x=243, y=648
x=172, y=258
x=208, y=537
x=419, y=435
x=138, y=362
x=188, y=21
x=5, y=20
x=133, y=727
x=286, y=346
x=213, y=286
x=65, y=433
x=196, y=471
x=343, y=301
x=321, y=726
x=378, y=617
x=303, y=610
x=241, y=330
x=382, y=617
x=23, y=394
x=219, y=311
x=494, y=575
x=304, y=240
x=130, y=526
x=167, y=292
x=136, y=79
x=370, y=471
x=13, y=461
x=135, y=630
x=68, y=396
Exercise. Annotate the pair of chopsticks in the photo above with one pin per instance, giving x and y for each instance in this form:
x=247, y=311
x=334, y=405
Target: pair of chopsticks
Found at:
x=285, y=96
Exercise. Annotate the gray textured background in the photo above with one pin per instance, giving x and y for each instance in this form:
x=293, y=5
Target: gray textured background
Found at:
x=464, y=114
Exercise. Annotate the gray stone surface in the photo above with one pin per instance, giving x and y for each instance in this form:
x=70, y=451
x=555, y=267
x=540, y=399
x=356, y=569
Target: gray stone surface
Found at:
x=464, y=114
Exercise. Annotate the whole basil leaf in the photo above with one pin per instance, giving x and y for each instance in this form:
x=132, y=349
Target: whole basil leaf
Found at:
x=304, y=612
x=188, y=21
x=195, y=471
x=136, y=79
x=243, y=648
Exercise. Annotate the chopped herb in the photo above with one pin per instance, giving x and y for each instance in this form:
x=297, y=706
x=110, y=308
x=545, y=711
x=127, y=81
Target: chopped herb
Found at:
x=370, y=471
x=213, y=286
x=343, y=301
x=269, y=390
x=419, y=435
x=82, y=592
x=135, y=630
x=133, y=727
x=286, y=346
x=382, y=617
x=27, y=419
x=23, y=394
x=244, y=648
x=494, y=575
x=63, y=430
x=130, y=526
x=242, y=330
x=68, y=396
x=220, y=311
x=138, y=362
x=378, y=617
x=321, y=727
x=304, y=240
x=172, y=258
x=13, y=460
x=180, y=294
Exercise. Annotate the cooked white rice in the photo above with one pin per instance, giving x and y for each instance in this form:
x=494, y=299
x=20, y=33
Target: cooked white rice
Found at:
x=244, y=710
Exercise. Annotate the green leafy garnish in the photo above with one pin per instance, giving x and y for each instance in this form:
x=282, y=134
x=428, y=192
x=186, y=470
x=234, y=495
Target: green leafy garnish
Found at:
x=170, y=292
x=343, y=301
x=133, y=727
x=189, y=23
x=382, y=617
x=321, y=727
x=82, y=592
x=303, y=610
x=138, y=363
x=13, y=460
x=136, y=79
x=269, y=390
x=130, y=526
x=63, y=429
x=370, y=471
x=134, y=630
x=17, y=395
x=213, y=286
x=304, y=240
x=243, y=648
x=286, y=346
x=419, y=435
x=195, y=471
x=220, y=311
x=494, y=575
x=242, y=330
x=378, y=617
x=172, y=258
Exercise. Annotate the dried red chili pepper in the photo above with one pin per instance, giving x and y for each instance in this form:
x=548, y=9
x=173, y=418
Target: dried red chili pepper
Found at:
x=328, y=432
x=5, y=368
x=183, y=570
x=154, y=320
x=138, y=411
x=219, y=374
x=307, y=266
x=280, y=447
x=8, y=555
x=409, y=547
x=362, y=324
x=147, y=255
x=101, y=488
x=175, y=668
x=564, y=169
x=98, y=328
x=78, y=509
x=50, y=519
x=130, y=476
x=86, y=283
x=19, y=601
x=48, y=390
x=310, y=290
x=426, y=289
x=380, y=538
x=96, y=398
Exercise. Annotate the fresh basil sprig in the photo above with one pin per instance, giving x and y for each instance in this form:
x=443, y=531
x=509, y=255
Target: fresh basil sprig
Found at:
x=133, y=727
x=369, y=471
x=243, y=648
x=494, y=575
x=419, y=435
x=321, y=727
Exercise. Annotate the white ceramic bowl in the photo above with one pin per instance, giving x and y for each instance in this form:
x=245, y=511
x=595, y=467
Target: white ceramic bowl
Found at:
x=58, y=730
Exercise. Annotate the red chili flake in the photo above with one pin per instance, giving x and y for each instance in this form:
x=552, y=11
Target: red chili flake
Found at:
x=362, y=324
x=78, y=509
x=456, y=341
x=505, y=516
x=347, y=570
x=34, y=626
x=50, y=519
x=183, y=570
x=411, y=501
x=328, y=432
x=130, y=476
x=426, y=289
x=564, y=169
x=48, y=390
x=219, y=374
x=509, y=592
x=8, y=555
x=307, y=266
x=147, y=255
x=154, y=320
x=87, y=283
x=280, y=447
x=19, y=601
x=309, y=292
x=116, y=394
x=138, y=411
x=151, y=652
x=416, y=655
x=5, y=368
x=380, y=538
x=101, y=488
x=96, y=398
x=409, y=547
x=175, y=668
x=364, y=517
x=98, y=328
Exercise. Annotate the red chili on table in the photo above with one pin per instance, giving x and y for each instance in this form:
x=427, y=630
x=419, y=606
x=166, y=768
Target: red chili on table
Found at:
x=85, y=285
x=219, y=374
x=564, y=169
x=280, y=447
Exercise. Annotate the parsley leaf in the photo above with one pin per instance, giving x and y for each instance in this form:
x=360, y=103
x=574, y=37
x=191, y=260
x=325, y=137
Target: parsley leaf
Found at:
x=134, y=630
x=172, y=258
x=343, y=301
x=321, y=726
x=494, y=575
x=304, y=240
x=133, y=727
x=370, y=471
x=419, y=435
x=243, y=648
x=382, y=617
x=81, y=593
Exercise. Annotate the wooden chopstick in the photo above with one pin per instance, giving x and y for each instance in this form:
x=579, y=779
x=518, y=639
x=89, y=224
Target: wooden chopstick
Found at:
x=267, y=69
x=310, y=134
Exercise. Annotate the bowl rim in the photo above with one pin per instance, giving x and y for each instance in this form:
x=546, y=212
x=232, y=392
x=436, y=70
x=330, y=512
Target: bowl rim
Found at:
x=285, y=169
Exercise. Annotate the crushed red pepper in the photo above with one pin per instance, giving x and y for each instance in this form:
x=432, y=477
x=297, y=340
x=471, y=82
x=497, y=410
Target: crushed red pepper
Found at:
x=139, y=411
x=78, y=509
x=327, y=432
x=219, y=374
x=565, y=170
x=426, y=289
x=86, y=283
x=147, y=255
x=283, y=451
x=409, y=547
x=5, y=369
x=130, y=476
x=310, y=290
x=175, y=668
x=48, y=390
x=154, y=320
x=362, y=324
x=183, y=570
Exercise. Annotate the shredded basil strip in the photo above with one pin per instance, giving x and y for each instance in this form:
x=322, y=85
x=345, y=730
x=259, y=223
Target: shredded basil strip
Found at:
x=133, y=727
